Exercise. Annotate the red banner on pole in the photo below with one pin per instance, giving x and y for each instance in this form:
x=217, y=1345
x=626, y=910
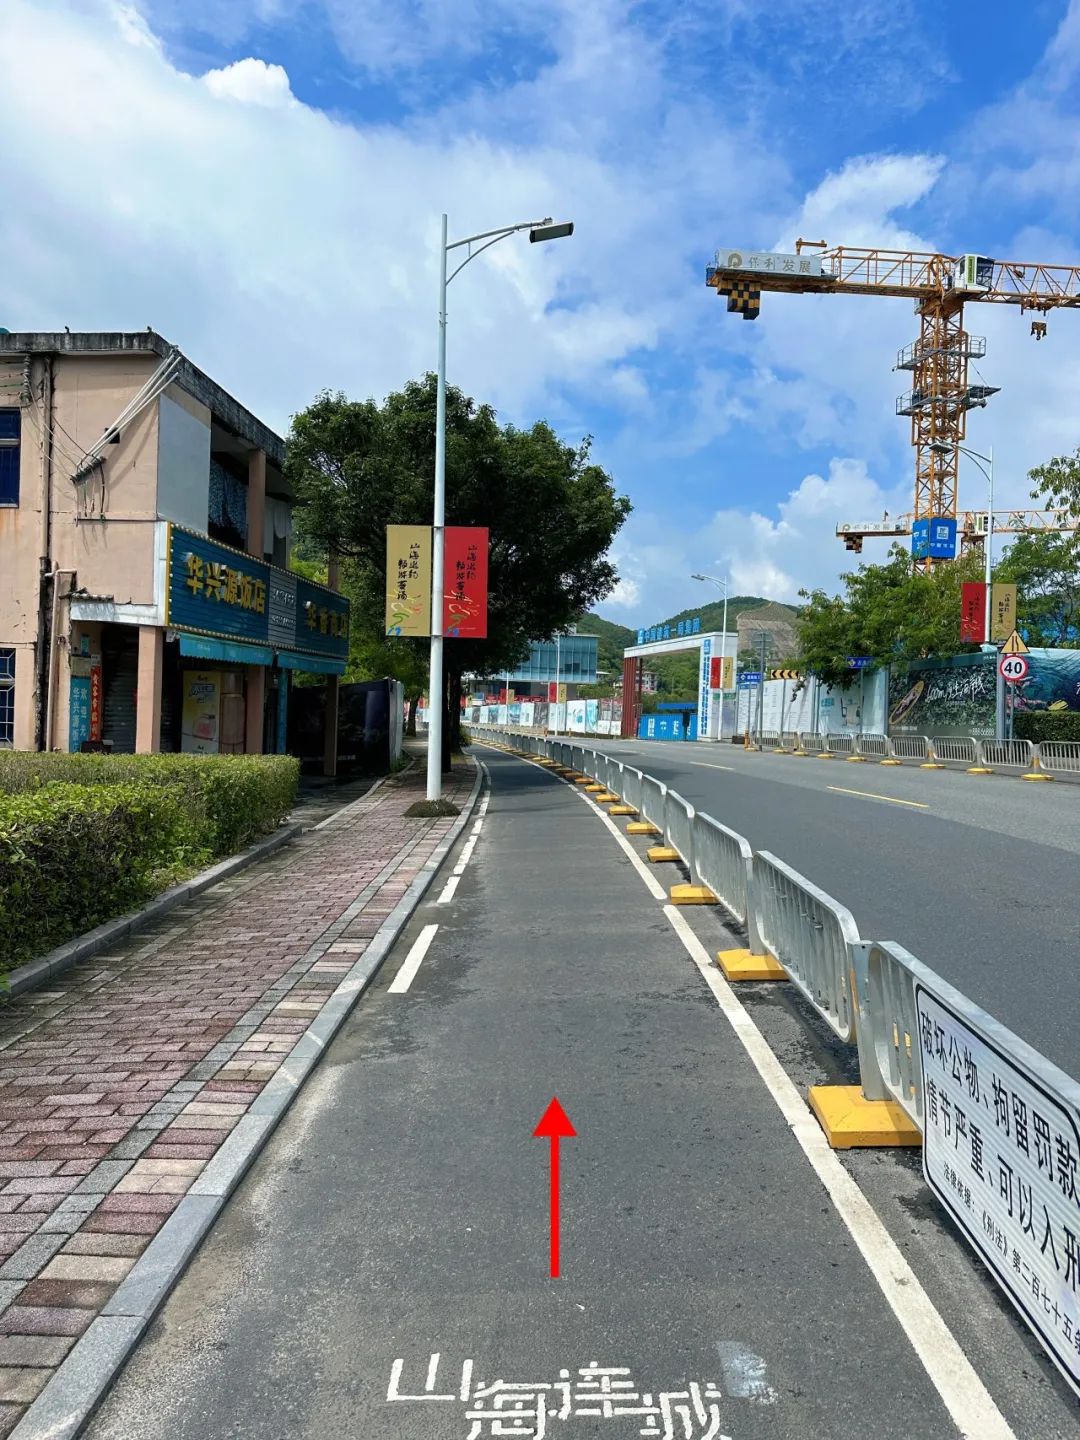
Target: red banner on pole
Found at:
x=465, y=588
x=973, y=612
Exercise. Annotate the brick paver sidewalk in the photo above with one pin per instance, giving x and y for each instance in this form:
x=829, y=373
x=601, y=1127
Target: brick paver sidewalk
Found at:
x=118, y=1085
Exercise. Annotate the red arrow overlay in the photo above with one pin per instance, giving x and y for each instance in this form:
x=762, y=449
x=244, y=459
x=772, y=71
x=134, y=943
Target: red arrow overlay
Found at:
x=554, y=1123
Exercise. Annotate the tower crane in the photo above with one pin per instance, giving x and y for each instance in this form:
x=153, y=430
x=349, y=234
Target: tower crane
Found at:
x=941, y=391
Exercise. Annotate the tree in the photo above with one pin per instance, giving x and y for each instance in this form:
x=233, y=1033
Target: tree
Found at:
x=890, y=612
x=551, y=512
x=1045, y=570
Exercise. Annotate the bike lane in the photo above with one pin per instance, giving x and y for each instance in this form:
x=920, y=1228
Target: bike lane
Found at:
x=383, y=1270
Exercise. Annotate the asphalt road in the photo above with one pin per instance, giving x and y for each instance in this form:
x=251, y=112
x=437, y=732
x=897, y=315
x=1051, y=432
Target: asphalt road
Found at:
x=977, y=876
x=392, y=1239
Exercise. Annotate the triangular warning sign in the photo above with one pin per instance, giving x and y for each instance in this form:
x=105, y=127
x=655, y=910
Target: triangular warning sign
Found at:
x=1014, y=645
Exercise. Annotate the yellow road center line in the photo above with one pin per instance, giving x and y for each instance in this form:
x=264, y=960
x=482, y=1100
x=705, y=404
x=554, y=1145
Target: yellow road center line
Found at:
x=870, y=795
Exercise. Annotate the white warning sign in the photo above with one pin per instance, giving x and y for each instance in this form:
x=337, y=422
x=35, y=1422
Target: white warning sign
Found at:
x=1001, y=1143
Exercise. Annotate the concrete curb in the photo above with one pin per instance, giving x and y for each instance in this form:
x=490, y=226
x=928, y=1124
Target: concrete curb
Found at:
x=102, y=937
x=79, y=1384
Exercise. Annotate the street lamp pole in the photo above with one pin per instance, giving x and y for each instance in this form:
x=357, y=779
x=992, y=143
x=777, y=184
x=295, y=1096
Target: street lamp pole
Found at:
x=539, y=230
x=720, y=585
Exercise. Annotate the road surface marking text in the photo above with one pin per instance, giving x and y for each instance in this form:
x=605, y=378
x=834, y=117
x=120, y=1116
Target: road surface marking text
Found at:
x=952, y=1374
x=871, y=795
x=413, y=960
x=594, y=1392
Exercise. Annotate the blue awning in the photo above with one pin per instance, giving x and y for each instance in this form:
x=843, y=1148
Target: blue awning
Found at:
x=202, y=647
x=313, y=664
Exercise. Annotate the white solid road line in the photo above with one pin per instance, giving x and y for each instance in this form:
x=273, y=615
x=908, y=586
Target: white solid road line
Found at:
x=954, y=1377
x=413, y=960
x=449, y=890
x=711, y=765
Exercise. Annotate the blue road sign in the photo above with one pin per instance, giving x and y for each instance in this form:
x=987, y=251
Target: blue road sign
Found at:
x=860, y=662
x=748, y=679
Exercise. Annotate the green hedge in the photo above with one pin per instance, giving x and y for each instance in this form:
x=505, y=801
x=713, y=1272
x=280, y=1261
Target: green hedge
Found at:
x=84, y=838
x=1047, y=725
x=233, y=799
x=72, y=856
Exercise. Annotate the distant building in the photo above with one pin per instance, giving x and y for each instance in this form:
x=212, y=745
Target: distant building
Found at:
x=576, y=657
x=145, y=526
x=781, y=624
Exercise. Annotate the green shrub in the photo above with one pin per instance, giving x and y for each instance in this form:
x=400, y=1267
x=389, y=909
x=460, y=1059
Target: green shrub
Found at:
x=72, y=856
x=1047, y=725
x=232, y=799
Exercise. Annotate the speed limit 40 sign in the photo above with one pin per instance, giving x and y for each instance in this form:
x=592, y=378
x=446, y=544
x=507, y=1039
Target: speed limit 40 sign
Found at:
x=1013, y=668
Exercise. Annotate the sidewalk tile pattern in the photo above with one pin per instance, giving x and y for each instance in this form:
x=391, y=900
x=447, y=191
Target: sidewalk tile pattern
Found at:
x=118, y=1084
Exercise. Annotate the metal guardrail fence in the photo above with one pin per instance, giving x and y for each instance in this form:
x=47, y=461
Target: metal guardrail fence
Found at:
x=789, y=739
x=890, y=1058
x=1007, y=752
x=767, y=738
x=909, y=747
x=653, y=795
x=679, y=829
x=840, y=743
x=959, y=749
x=1061, y=755
x=811, y=740
x=725, y=864
x=808, y=933
x=875, y=747
x=632, y=782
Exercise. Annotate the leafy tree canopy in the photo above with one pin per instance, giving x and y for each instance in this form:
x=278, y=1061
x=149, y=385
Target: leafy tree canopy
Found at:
x=552, y=513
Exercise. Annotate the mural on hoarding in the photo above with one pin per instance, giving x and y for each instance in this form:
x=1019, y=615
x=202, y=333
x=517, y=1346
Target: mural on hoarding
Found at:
x=1053, y=681
x=943, y=698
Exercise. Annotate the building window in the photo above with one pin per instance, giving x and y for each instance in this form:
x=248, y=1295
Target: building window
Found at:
x=9, y=456
x=7, y=698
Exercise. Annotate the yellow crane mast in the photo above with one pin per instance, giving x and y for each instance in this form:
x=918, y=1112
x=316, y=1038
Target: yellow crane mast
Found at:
x=941, y=391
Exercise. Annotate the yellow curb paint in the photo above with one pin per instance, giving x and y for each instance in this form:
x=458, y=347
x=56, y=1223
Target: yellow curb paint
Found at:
x=850, y=1121
x=870, y=795
x=662, y=854
x=742, y=965
x=692, y=895
x=642, y=827
x=622, y=810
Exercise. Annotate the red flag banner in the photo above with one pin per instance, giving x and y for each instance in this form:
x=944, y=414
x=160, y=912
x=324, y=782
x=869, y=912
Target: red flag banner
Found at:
x=973, y=612
x=465, y=588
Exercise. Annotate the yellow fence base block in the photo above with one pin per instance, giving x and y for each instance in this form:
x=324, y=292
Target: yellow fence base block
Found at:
x=584, y=780
x=742, y=965
x=856, y=759
x=642, y=827
x=890, y=760
x=692, y=895
x=979, y=770
x=622, y=810
x=662, y=854
x=594, y=789
x=606, y=799
x=850, y=1121
x=1036, y=775
x=931, y=765
x=826, y=755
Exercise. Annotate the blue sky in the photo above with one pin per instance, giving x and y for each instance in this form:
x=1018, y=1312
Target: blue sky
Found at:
x=261, y=181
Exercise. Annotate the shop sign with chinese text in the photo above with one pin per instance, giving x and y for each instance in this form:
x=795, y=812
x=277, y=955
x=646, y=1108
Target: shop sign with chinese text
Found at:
x=1001, y=1142
x=408, y=580
x=225, y=593
x=769, y=262
x=465, y=582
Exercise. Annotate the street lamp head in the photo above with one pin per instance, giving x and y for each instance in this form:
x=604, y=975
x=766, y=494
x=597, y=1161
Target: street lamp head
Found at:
x=696, y=576
x=549, y=231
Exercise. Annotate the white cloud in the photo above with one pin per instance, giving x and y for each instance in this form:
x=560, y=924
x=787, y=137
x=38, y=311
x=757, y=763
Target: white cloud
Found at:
x=252, y=81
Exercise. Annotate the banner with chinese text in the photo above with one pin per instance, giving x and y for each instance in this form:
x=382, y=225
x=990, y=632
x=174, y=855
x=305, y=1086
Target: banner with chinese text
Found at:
x=1002, y=612
x=465, y=587
x=973, y=612
x=408, y=580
